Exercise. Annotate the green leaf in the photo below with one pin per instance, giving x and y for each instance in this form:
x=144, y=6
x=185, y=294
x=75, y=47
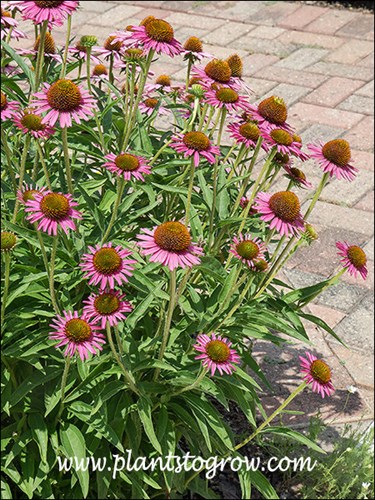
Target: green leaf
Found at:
x=40, y=433
x=74, y=445
x=144, y=410
x=19, y=60
x=286, y=432
x=262, y=484
x=320, y=322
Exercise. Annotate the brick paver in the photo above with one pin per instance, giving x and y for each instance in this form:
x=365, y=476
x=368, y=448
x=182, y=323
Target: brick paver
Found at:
x=321, y=61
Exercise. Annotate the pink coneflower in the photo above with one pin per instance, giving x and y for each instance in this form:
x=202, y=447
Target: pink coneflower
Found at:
x=64, y=101
x=193, y=50
x=28, y=192
x=318, y=374
x=195, y=144
x=106, y=306
x=236, y=67
x=282, y=210
x=162, y=84
x=51, y=211
x=157, y=35
x=30, y=123
x=9, y=109
x=49, y=49
x=9, y=24
x=151, y=105
x=79, y=51
x=127, y=165
x=243, y=204
x=52, y=11
x=217, y=354
x=334, y=158
x=245, y=133
x=170, y=244
x=216, y=71
x=284, y=143
x=225, y=97
x=112, y=47
x=78, y=333
x=99, y=73
x=353, y=259
x=249, y=250
x=105, y=265
x=271, y=113
x=297, y=177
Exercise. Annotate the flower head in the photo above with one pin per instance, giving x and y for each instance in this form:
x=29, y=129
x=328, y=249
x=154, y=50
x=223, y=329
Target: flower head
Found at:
x=51, y=211
x=334, y=158
x=216, y=353
x=106, y=306
x=8, y=241
x=195, y=144
x=9, y=25
x=284, y=143
x=282, y=210
x=245, y=133
x=271, y=113
x=105, y=265
x=170, y=244
x=193, y=50
x=226, y=97
x=151, y=105
x=28, y=192
x=78, y=333
x=318, y=374
x=353, y=259
x=249, y=250
x=127, y=165
x=53, y=11
x=156, y=34
x=64, y=101
x=31, y=123
x=9, y=109
x=297, y=177
x=216, y=71
x=112, y=47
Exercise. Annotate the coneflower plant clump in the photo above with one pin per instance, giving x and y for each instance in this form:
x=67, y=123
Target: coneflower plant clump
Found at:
x=144, y=225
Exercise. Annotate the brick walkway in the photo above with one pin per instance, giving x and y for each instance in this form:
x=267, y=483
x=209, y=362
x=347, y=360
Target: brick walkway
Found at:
x=320, y=60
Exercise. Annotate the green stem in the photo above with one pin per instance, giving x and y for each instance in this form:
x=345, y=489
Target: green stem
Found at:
x=222, y=115
x=238, y=303
x=6, y=286
x=22, y=174
x=190, y=191
x=67, y=40
x=45, y=170
x=168, y=320
x=51, y=275
x=240, y=155
x=42, y=248
x=88, y=71
x=68, y=172
x=40, y=56
x=125, y=372
x=188, y=75
x=317, y=194
x=138, y=99
x=276, y=267
x=63, y=387
x=118, y=340
x=195, y=384
x=288, y=400
x=120, y=191
x=8, y=164
x=111, y=77
x=299, y=389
